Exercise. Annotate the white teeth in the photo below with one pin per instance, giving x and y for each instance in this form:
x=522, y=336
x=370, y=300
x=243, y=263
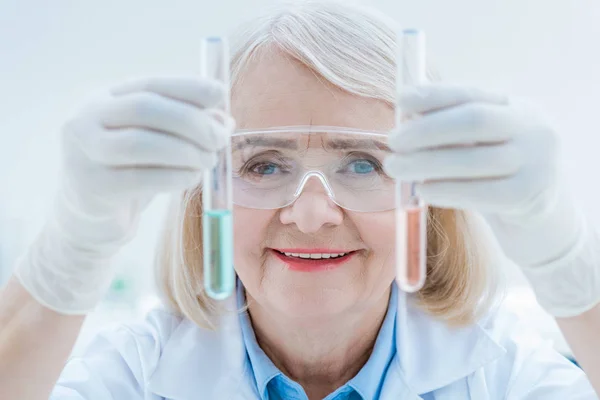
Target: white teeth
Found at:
x=315, y=256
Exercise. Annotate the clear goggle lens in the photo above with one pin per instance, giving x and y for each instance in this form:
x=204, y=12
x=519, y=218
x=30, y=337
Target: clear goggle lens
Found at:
x=272, y=167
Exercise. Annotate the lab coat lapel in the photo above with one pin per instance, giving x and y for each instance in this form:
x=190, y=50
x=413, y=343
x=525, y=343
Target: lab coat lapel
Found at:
x=198, y=363
x=430, y=354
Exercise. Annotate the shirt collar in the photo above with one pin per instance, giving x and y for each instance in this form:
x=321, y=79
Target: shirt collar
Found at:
x=366, y=382
x=263, y=368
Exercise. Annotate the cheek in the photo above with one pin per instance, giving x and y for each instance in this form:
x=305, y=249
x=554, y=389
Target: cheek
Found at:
x=378, y=232
x=249, y=235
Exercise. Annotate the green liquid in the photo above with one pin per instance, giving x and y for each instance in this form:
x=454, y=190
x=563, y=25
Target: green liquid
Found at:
x=219, y=275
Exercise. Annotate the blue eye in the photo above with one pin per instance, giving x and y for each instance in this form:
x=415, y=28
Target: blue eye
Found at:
x=362, y=167
x=265, y=169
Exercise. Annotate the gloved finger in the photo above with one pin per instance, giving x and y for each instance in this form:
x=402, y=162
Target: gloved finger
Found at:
x=200, y=92
x=473, y=162
x=461, y=125
x=501, y=195
x=136, y=181
x=422, y=99
x=130, y=147
x=152, y=111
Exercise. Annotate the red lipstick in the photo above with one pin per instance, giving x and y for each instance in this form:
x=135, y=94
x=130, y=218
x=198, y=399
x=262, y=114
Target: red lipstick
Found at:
x=310, y=264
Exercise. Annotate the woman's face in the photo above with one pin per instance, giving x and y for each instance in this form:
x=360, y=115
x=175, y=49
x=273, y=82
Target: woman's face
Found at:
x=278, y=91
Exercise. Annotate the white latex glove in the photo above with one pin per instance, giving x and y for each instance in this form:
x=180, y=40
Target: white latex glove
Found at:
x=140, y=139
x=479, y=151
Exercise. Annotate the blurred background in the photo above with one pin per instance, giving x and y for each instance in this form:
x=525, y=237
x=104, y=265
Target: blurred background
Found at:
x=54, y=54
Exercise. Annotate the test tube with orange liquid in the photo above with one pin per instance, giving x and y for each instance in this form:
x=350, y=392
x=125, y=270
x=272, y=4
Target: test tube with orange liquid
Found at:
x=411, y=212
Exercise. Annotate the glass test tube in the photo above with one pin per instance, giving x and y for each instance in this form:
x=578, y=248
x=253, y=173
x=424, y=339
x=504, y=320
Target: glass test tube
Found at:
x=217, y=221
x=411, y=213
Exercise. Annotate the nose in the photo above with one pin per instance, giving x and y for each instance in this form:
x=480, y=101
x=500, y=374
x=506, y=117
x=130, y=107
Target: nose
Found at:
x=313, y=209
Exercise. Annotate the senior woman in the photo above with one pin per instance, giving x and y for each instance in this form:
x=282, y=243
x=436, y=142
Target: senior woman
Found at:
x=333, y=326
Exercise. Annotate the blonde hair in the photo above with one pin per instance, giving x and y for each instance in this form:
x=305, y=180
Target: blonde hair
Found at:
x=352, y=48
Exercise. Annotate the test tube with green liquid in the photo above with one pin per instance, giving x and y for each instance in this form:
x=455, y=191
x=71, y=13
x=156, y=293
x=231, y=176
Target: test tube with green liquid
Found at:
x=217, y=221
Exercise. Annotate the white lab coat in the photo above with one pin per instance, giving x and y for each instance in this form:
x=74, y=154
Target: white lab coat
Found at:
x=168, y=357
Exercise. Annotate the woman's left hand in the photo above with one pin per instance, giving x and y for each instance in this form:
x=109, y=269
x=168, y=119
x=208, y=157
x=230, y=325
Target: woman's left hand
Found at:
x=469, y=149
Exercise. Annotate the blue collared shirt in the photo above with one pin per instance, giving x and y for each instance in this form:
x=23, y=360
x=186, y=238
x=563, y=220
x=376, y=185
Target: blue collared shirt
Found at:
x=272, y=384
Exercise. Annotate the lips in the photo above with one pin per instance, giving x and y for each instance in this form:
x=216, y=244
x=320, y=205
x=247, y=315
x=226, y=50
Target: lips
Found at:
x=312, y=260
x=316, y=256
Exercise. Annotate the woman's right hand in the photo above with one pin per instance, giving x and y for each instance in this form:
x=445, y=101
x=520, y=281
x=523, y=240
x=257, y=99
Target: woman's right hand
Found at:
x=142, y=138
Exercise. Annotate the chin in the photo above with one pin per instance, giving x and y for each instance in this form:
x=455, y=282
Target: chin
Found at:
x=315, y=302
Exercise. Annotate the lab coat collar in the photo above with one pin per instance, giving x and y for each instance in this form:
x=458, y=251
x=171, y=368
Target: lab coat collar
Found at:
x=431, y=354
x=200, y=363
x=197, y=362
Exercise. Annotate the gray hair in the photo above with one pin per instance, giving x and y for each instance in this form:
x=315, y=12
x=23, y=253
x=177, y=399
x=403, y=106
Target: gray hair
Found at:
x=351, y=46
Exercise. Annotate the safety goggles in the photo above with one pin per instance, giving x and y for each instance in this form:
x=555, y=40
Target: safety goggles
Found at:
x=272, y=167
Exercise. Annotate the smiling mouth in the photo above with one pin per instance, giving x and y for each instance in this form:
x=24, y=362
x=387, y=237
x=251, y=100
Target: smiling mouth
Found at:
x=316, y=260
x=315, y=256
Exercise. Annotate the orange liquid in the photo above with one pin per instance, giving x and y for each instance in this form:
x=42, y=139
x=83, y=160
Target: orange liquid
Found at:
x=413, y=238
x=411, y=247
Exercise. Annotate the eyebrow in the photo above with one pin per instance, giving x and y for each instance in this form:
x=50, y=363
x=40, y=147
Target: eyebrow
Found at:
x=292, y=144
x=262, y=141
x=357, y=144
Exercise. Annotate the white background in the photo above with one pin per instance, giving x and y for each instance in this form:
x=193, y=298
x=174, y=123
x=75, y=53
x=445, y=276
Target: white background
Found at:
x=53, y=53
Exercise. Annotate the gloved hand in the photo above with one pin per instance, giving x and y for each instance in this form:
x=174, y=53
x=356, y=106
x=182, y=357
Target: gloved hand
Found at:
x=140, y=139
x=469, y=149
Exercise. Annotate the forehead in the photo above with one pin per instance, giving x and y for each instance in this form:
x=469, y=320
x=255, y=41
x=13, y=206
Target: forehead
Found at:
x=276, y=90
x=296, y=141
